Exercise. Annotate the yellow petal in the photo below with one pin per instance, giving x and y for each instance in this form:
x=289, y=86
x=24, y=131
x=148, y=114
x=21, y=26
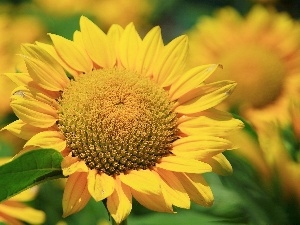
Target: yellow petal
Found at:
x=204, y=97
x=180, y=164
x=155, y=202
x=171, y=62
x=97, y=44
x=149, y=51
x=51, y=50
x=200, y=146
x=219, y=164
x=48, y=139
x=25, y=82
x=130, y=43
x=210, y=122
x=20, y=79
x=44, y=69
x=74, y=55
x=35, y=113
x=23, y=212
x=190, y=80
x=143, y=181
x=197, y=188
x=33, y=94
x=72, y=165
x=22, y=130
x=173, y=189
x=100, y=185
x=77, y=38
x=114, y=35
x=119, y=204
x=76, y=194
x=26, y=195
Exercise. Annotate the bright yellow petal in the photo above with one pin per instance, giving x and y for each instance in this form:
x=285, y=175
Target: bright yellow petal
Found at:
x=200, y=146
x=149, y=51
x=33, y=94
x=97, y=44
x=76, y=194
x=173, y=189
x=130, y=43
x=180, y=164
x=74, y=55
x=51, y=50
x=100, y=185
x=197, y=188
x=114, y=34
x=20, y=79
x=48, y=139
x=77, y=38
x=72, y=165
x=143, y=181
x=171, y=61
x=22, y=130
x=219, y=164
x=119, y=204
x=190, y=80
x=26, y=195
x=155, y=202
x=44, y=69
x=23, y=212
x=210, y=122
x=204, y=97
x=35, y=113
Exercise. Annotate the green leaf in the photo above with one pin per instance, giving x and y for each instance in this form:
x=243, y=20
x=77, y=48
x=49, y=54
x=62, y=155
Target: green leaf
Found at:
x=29, y=169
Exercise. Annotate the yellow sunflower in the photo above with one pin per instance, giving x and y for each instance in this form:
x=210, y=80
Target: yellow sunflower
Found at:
x=260, y=51
x=129, y=119
x=15, y=211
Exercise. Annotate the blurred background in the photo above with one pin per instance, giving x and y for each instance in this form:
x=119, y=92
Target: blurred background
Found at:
x=258, y=44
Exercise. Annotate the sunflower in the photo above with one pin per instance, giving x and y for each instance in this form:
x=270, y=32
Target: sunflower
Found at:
x=15, y=211
x=260, y=52
x=129, y=119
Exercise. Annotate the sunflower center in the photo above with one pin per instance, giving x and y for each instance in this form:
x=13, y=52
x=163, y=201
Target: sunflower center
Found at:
x=116, y=121
x=258, y=72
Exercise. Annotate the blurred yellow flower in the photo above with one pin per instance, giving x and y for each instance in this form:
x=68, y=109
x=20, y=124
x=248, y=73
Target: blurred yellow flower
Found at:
x=14, y=31
x=14, y=211
x=275, y=155
x=260, y=51
x=106, y=12
x=131, y=121
x=284, y=162
x=248, y=147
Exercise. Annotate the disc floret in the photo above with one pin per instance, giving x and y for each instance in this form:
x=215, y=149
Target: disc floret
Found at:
x=116, y=121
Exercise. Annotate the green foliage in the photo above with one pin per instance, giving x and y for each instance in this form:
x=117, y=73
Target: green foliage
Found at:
x=29, y=169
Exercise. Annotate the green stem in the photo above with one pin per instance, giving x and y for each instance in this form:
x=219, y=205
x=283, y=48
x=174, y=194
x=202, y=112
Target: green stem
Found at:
x=124, y=222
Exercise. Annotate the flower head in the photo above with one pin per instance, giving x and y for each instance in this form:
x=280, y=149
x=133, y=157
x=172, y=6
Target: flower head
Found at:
x=260, y=52
x=129, y=120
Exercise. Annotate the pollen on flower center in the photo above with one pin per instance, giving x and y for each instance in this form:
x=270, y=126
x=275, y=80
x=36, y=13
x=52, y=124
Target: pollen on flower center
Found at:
x=258, y=72
x=116, y=121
